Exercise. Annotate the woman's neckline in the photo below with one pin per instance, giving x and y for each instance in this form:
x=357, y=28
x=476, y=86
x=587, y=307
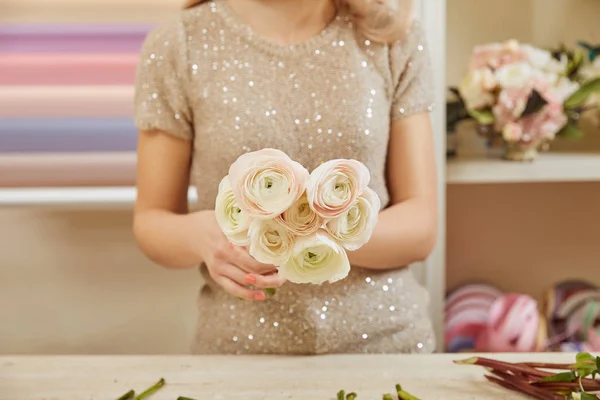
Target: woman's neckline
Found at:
x=311, y=45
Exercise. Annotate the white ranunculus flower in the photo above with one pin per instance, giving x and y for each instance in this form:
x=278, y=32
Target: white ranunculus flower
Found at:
x=514, y=75
x=354, y=228
x=564, y=88
x=316, y=259
x=267, y=182
x=335, y=185
x=476, y=87
x=234, y=221
x=591, y=71
x=300, y=219
x=538, y=58
x=270, y=241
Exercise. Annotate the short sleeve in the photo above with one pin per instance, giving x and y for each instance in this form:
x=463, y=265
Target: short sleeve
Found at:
x=161, y=101
x=412, y=74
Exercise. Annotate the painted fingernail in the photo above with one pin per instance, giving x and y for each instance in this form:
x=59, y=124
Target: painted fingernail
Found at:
x=259, y=296
x=250, y=279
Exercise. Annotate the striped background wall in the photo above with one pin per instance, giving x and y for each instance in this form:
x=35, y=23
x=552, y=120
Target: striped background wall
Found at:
x=67, y=69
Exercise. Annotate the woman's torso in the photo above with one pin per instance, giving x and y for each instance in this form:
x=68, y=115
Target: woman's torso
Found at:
x=330, y=97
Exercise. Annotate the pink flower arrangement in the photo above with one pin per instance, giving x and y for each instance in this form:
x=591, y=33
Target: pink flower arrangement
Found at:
x=524, y=93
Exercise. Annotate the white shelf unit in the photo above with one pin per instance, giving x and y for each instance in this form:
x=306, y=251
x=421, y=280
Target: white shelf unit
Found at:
x=550, y=167
x=77, y=197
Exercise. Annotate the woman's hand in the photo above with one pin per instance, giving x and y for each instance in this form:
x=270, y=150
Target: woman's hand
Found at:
x=231, y=266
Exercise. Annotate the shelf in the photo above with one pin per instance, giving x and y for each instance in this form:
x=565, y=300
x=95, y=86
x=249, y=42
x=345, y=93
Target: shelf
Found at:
x=549, y=167
x=93, y=197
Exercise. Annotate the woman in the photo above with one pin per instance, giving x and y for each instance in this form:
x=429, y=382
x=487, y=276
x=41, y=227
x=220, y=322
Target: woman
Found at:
x=317, y=79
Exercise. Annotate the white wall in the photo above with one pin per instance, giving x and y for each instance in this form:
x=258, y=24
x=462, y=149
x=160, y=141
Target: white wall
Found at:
x=74, y=282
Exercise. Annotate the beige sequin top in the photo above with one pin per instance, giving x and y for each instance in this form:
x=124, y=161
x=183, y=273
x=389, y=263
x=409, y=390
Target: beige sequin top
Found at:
x=206, y=77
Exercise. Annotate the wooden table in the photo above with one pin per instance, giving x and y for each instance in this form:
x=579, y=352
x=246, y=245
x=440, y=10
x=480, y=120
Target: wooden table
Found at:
x=250, y=378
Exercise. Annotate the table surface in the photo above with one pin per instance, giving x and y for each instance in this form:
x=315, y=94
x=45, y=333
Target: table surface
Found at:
x=251, y=378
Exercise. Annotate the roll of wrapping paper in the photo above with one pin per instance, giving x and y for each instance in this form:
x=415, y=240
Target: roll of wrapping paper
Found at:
x=68, y=69
x=67, y=135
x=66, y=101
x=62, y=170
x=88, y=11
x=72, y=38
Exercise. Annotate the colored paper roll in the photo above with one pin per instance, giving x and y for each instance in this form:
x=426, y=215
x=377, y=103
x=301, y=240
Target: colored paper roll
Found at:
x=67, y=135
x=74, y=169
x=68, y=69
x=88, y=11
x=66, y=101
x=72, y=38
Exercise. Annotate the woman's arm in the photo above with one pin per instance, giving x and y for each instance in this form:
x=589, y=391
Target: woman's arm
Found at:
x=406, y=231
x=164, y=230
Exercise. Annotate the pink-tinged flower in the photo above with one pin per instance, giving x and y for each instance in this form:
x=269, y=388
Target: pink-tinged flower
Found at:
x=545, y=124
x=267, y=182
x=300, y=219
x=335, y=185
x=512, y=132
x=510, y=106
x=495, y=55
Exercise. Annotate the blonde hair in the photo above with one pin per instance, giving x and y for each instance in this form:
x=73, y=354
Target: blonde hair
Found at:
x=383, y=21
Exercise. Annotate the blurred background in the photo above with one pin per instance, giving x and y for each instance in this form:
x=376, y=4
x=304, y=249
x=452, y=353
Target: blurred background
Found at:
x=73, y=281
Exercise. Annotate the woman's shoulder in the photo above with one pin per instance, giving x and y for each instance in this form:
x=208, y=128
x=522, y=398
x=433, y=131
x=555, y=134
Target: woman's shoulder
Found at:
x=176, y=29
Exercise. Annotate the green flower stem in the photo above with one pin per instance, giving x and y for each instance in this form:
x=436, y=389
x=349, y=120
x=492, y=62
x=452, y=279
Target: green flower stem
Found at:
x=150, y=391
x=351, y=396
x=127, y=396
x=184, y=398
x=388, y=397
x=341, y=395
x=404, y=395
x=270, y=292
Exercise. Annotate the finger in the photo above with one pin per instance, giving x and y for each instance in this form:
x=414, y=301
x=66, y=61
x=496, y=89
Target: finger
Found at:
x=271, y=281
x=245, y=261
x=238, y=290
x=234, y=273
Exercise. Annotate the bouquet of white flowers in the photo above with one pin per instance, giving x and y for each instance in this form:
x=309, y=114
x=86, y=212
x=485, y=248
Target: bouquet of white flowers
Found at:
x=302, y=223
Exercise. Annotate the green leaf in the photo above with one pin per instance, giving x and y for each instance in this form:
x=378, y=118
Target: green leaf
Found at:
x=388, y=397
x=584, y=358
x=561, y=377
x=484, y=117
x=570, y=131
x=351, y=396
x=588, y=396
x=585, y=365
x=341, y=395
x=582, y=94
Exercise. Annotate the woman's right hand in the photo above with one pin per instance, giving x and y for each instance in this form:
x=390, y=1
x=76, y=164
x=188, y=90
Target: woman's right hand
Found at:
x=231, y=266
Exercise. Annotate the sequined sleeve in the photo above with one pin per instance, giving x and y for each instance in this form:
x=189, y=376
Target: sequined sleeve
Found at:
x=161, y=101
x=412, y=73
